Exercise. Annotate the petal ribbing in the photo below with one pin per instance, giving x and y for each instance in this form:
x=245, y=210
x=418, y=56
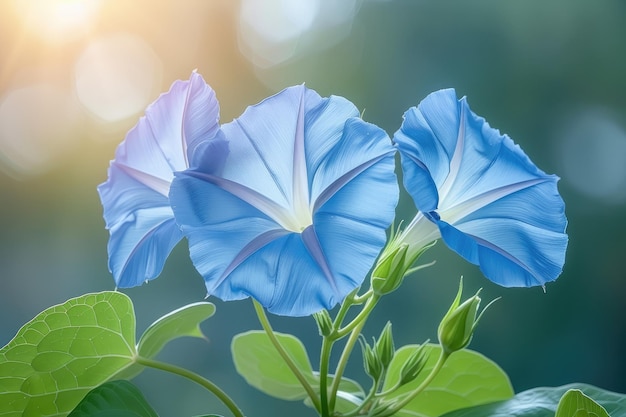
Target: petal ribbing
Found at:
x=493, y=206
x=298, y=215
x=135, y=196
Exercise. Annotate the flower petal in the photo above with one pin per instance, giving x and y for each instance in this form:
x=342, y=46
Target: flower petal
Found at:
x=492, y=204
x=520, y=249
x=293, y=152
x=351, y=225
x=135, y=196
x=264, y=139
x=241, y=252
x=141, y=225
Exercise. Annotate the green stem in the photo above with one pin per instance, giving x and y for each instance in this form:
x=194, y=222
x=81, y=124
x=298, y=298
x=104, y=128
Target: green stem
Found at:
x=360, y=318
x=327, y=345
x=389, y=390
x=260, y=312
x=363, y=298
x=205, y=383
x=354, y=327
x=443, y=356
x=343, y=361
x=341, y=314
x=366, y=400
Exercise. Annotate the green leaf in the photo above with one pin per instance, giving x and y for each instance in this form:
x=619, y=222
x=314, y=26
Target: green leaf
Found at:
x=259, y=363
x=576, y=404
x=467, y=378
x=182, y=322
x=114, y=399
x=64, y=352
x=543, y=402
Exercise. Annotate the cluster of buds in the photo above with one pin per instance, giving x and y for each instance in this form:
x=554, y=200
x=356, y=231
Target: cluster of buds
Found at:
x=377, y=358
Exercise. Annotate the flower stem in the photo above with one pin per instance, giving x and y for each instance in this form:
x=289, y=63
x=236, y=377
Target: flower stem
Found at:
x=360, y=318
x=327, y=345
x=343, y=361
x=354, y=327
x=260, y=312
x=205, y=383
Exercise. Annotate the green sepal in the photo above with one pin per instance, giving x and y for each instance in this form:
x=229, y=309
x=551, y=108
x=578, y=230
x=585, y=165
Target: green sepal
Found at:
x=114, y=399
x=389, y=272
x=395, y=264
x=544, y=401
x=324, y=322
x=467, y=378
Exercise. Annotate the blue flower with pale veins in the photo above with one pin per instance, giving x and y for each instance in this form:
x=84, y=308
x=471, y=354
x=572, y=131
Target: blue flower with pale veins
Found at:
x=480, y=193
x=298, y=213
x=137, y=211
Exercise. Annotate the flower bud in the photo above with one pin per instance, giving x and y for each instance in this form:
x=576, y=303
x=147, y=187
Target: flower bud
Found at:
x=413, y=365
x=371, y=361
x=390, y=270
x=384, y=347
x=395, y=263
x=457, y=326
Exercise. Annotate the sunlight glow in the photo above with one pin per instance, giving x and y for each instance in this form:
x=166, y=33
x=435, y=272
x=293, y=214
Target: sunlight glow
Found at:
x=37, y=125
x=58, y=21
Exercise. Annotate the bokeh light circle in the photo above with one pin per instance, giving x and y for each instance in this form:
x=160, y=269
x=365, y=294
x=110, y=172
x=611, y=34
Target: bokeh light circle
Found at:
x=117, y=76
x=592, y=150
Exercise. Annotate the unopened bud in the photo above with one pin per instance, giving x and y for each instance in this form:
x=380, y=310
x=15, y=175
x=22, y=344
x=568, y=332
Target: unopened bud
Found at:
x=384, y=346
x=389, y=272
x=458, y=325
x=413, y=365
x=371, y=361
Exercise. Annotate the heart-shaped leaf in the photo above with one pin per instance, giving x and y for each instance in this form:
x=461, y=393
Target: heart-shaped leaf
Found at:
x=64, y=352
x=72, y=348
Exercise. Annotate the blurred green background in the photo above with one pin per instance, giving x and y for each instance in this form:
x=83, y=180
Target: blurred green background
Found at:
x=75, y=75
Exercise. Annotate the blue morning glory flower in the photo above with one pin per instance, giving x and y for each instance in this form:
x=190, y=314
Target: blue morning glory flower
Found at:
x=298, y=213
x=135, y=196
x=480, y=193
